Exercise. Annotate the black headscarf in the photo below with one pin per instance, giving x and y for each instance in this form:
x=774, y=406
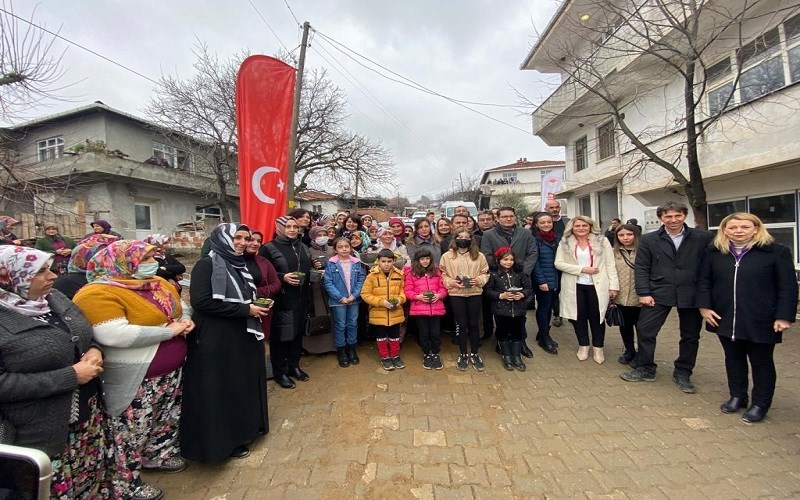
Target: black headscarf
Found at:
x=230, y=279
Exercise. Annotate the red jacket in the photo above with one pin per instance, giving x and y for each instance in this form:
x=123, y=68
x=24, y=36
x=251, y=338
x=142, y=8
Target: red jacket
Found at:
x=416, y=285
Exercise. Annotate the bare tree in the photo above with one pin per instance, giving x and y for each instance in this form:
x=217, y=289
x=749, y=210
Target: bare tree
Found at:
x=620, y=51
x=202, y=109
x=30, y=65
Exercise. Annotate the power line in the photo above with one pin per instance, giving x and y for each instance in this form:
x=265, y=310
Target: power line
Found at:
x=76, y=44
x=417, y=86
x=292, y=12
x=268, y=25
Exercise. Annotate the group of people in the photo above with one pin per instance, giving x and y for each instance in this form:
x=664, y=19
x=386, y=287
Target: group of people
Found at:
x=117, y=374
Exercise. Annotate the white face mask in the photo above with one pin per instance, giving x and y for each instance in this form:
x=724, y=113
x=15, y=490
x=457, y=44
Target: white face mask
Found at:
x=321, y=240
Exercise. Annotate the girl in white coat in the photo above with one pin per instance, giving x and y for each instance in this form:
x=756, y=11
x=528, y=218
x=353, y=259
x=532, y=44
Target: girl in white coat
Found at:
x=588, y=282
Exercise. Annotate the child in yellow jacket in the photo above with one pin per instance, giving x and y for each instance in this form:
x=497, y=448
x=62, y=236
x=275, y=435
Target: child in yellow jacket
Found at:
x=383, y=291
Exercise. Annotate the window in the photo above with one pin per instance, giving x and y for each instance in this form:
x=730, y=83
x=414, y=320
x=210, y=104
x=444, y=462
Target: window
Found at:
x=208, y=213
x=762, y=67
x=50, y=148
x=605, y=140
x=585, y=206
x=777, y=212
x=316, y=208
x=172, y=157
x=718, y=211
x=509, y=177
x=581, y=154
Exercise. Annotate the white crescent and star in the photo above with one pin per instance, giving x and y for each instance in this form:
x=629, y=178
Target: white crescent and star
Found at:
x=256, y=183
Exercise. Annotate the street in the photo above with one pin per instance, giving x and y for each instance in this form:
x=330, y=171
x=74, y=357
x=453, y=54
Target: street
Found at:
x=562, y=429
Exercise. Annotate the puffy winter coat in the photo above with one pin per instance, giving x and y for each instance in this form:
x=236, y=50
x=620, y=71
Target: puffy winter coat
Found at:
x=416, y=285
x=545, y=272
x=334, y=280
x=499, y=282
x=379, y=287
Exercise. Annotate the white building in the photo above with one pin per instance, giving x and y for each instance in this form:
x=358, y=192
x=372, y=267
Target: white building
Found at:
x=749, y=156
x=523, y=177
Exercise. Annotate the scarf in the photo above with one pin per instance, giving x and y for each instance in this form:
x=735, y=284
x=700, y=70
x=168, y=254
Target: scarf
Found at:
x=104, y=224
x=158, y=241
x=18, y=266
x=85, y=250
x=230, y=279
x=365, y=241
x=505, y=233
x=548, y=236
x=115, y=265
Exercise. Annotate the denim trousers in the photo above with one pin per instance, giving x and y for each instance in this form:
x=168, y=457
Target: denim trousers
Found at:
x=345, y=324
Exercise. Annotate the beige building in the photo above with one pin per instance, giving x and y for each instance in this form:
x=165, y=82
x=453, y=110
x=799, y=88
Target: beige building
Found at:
x=523, y=177
x=750, y=156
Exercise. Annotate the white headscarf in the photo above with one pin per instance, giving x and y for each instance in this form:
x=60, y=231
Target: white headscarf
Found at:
x=18, y=266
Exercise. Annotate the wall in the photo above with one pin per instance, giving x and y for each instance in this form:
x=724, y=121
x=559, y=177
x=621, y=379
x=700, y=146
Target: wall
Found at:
x=73, y=130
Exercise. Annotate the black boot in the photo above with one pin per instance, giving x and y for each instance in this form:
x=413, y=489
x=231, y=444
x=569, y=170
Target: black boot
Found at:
x=505, y=349
x=344, y=358
x=546, y=343
x=516, y=360
x=525, y=350
x=352, y=356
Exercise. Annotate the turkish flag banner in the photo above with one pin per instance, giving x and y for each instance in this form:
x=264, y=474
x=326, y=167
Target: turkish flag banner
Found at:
x=264, y=101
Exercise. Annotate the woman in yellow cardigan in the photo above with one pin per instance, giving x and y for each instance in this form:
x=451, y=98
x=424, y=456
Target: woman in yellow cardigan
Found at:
x=138, y=320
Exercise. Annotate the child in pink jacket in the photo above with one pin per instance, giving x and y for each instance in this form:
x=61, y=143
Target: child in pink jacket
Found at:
x=425, y=290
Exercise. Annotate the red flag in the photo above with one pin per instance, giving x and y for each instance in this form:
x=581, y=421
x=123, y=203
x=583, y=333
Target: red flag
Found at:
x=264, y=101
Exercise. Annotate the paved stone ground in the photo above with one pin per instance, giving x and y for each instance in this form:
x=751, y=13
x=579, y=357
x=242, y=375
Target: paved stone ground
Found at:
x=563, y=429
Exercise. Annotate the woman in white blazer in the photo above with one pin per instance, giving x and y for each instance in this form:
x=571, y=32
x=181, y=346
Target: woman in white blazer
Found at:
x=588, y=282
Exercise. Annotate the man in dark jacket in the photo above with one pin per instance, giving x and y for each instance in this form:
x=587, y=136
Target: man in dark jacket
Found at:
x=506, y=233
x=667, y=266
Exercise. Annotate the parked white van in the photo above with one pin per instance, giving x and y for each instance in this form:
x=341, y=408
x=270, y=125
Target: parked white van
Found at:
x=448, y=208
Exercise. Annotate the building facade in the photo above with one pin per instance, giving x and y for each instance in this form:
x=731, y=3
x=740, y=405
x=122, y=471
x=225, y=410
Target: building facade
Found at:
x=746, y=81
x=521, y=177
x=95, y=162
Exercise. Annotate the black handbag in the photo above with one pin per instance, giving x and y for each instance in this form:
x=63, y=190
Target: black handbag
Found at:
x=613, y=315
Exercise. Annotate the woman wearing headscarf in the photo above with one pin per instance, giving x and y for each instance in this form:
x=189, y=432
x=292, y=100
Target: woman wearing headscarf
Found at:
x=168, y=266
x=138, y=320
x=321, y=251
x=387, y=240
x=101, y=226
x=398, y=229
x=359, y=241
x=60, y=246
x=75, y=278
x=50, y=394
x=290, y=257
x=6, y=236
x=225, y=383
x=268, y=285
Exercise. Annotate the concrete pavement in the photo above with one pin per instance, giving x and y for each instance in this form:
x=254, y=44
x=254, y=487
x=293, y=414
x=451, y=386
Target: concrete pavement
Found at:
x=562, y=429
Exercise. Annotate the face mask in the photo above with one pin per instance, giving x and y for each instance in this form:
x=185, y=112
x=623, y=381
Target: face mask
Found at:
x=321, y=240
x=463, y=243
x=146, y=271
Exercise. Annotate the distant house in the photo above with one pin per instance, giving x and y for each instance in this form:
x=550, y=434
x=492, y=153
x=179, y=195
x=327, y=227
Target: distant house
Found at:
x=95, y=162
x=328, y=204
x=523, y=177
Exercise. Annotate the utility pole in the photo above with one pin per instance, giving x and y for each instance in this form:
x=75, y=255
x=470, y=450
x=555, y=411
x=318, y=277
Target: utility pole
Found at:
x=298, y=87
x=358, y=174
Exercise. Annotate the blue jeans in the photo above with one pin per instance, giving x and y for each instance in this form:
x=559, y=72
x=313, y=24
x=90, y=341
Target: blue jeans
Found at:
x=345, y=323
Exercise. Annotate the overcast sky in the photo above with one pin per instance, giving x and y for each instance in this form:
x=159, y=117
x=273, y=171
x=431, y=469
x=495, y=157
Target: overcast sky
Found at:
x=469, y=50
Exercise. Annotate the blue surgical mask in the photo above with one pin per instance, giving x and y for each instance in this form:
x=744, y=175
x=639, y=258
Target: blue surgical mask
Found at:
x=146, y=271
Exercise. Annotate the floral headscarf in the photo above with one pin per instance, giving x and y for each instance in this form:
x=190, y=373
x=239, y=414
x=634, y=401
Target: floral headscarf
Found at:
x=158, y=241
x=18, y=266
x=365, y=241
x=115, y=265
x=85, y=250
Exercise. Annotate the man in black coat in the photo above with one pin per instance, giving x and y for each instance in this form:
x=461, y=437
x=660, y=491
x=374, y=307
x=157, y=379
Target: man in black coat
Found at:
x=667, y=267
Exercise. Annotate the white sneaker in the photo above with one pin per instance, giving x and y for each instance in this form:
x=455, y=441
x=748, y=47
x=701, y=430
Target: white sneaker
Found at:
x=598, y=356
x=583, y=352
